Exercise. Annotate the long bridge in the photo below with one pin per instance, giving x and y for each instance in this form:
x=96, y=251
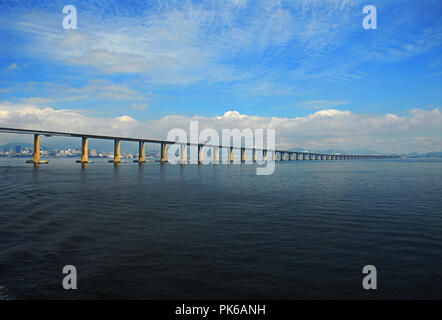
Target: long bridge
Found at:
x=283, y=154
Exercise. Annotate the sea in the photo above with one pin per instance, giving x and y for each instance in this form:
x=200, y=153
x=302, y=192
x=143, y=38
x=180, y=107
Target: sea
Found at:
x=164, y=231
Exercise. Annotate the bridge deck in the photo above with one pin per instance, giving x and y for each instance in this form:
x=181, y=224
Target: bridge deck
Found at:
x=104, y=137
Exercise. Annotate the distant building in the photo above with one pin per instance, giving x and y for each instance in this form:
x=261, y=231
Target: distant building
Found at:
x=93, y=153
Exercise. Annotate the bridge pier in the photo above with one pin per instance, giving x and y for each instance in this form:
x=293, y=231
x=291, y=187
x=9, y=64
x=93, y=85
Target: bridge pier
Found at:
x=84, y=151
x=36, y=159
x=117, y=155
x=215, y=155
x=231, y=154
x=141, y=153
x=200, y=154
x=264, y=155
x=254, y=156
x=163, y=153
x=275, y=155
x=183, y=153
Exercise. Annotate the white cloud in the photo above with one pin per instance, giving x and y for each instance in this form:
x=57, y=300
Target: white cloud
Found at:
x=93, y=89
x=185, y=42
x=140, y=106
x=419, y=130
x=322, y=104
x=12, y=66
x=36, y=100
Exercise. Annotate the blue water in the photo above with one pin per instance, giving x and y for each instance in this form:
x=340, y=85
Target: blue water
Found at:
x=219, y=231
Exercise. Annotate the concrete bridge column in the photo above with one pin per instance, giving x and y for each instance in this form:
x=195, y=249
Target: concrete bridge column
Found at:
x=200, y=154
x=84, y=151
x=275, y=155
x=36, y=158
x=163, y=152
x=264, y=155
x=215, y=154
x=231, y=154
x=183, y=154
x=36, y=148
x=141, y=153
x=243, y=155
x=117, y=156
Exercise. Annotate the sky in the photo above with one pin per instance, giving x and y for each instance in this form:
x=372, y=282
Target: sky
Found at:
x=306, y=68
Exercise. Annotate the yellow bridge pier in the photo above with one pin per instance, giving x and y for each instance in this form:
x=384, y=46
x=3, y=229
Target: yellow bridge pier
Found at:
x=254, y=156
x=243, y=155
x=117, y=155
x=141, y=153
x=264, y=155
x=200, y=154
x=183, y=151
x=163, y=152
x=215, y=155
x=231, y=154
x=36, y=159
x=84, y=152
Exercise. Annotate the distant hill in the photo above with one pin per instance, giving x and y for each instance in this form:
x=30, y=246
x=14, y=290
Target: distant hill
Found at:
x=434, y=154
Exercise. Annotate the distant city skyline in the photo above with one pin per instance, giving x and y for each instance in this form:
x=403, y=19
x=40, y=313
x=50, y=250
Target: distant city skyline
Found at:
x=307, y=68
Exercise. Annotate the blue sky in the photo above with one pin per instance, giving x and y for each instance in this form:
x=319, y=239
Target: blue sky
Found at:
x=286, y=59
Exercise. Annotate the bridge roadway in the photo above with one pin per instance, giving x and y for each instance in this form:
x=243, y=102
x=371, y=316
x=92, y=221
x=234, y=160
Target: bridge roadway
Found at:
x=284, y=154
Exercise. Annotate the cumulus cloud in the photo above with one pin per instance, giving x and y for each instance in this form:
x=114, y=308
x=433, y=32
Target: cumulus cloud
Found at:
x=419, y=130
